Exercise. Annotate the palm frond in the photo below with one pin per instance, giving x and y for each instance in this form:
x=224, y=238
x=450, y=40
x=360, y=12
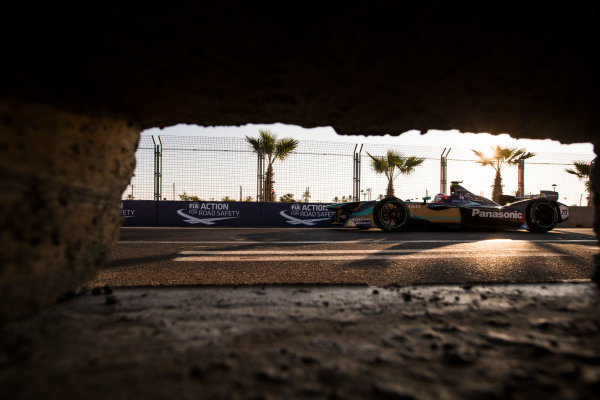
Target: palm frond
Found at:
x=478, y=154
x=502, y=155
x=255, y=143
x=582, y=169
x=514, y=155
x=394, y=158
x=267, y=139
x=380, y=164
x=505, y=153
x=394, y=163
x=527, y=155
x=574, y=172
x=410, y=164
x=483, y=159
x=284, y=147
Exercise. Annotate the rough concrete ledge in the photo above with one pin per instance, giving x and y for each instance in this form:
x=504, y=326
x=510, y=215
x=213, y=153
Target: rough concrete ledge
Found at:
x=512, y=341
x=61, y=177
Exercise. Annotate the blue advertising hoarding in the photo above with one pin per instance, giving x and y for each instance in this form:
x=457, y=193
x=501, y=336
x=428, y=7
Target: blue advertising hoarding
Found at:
x=138, y=212
x=207, y=213
x=224, y=214
x=299, y=215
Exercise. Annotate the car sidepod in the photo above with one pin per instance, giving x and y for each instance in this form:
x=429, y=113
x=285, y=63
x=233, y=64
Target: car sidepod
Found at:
x=434, y=213
x=509, y=216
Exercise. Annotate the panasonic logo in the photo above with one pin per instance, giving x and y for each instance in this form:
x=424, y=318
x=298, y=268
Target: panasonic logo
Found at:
x=497, y=214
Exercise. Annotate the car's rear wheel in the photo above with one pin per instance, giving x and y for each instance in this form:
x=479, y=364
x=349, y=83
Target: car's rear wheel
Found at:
x=391, y=214
x=542, y=215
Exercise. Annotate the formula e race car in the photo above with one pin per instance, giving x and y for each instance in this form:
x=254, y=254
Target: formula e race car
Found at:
x=538, y=213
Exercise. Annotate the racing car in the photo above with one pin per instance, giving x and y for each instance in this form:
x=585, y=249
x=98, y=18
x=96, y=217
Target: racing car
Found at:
x=537, y=213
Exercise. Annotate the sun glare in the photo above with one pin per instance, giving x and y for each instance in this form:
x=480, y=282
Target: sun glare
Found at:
x=494, y=241
x=488, y=152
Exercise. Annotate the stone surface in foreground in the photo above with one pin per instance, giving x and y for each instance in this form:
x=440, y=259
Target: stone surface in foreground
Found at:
x=428, y=342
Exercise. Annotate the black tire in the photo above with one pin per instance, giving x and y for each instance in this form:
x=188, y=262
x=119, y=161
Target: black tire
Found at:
x=541, y=215
x=391, y=214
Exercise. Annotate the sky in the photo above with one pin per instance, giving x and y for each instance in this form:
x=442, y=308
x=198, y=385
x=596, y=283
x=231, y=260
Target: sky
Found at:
x=185, y=176
x=431, y=138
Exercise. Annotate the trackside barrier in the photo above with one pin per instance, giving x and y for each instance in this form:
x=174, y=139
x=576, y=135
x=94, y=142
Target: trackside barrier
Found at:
x=146, y=213
x=579, y=217
x=138, y=212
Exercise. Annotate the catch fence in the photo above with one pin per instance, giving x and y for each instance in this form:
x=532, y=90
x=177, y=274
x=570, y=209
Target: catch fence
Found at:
x=227, y=169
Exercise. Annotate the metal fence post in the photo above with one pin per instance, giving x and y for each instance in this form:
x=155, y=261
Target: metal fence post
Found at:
x=354, y=171
x=591, y=200
x=260, y=177
x=356, y=188
x=521, y=178
x=157, y=169
x=444, y=170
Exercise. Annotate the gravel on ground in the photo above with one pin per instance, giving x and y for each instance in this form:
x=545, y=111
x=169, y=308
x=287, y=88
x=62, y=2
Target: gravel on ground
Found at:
x=504, y=341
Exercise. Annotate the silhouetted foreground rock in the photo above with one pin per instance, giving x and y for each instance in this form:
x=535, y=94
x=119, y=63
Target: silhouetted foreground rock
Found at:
x=428, y=342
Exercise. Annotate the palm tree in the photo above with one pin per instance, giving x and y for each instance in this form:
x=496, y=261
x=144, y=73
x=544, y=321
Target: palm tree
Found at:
x=187, y=197
x=582, y=171
x=392, y=165
x=287, y=198
x=267, y=144
x=501, y=156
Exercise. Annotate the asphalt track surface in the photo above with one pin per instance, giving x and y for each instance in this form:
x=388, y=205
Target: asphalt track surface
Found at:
x=278, y=314
x=281, y=256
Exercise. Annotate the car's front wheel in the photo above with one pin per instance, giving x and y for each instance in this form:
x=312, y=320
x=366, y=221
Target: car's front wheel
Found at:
x=391, y=214
x=542, y=215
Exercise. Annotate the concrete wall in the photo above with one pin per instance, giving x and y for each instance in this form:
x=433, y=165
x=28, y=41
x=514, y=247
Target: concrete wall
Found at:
x=579, y=217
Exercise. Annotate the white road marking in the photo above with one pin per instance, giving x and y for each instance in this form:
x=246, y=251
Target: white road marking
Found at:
x=320, y=252
x=356, y=241
x=414, y=256
x=231, y=228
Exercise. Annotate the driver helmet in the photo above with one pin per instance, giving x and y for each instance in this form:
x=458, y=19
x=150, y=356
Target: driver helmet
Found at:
x=440, y=198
